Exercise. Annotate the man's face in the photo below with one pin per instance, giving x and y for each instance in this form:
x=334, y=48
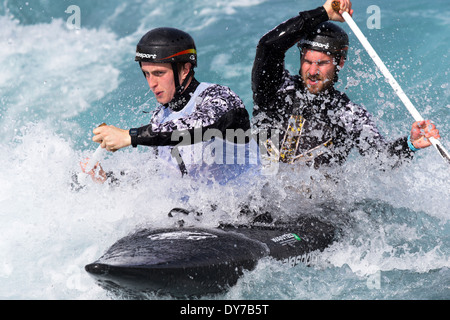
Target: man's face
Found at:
x=317, y=70
x=160, y=80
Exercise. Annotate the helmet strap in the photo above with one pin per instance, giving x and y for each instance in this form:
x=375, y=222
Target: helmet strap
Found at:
x=180, y=88
x=175, y=75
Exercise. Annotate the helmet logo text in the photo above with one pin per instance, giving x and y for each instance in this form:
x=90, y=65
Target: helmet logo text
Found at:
x=145, y=55
x=316, y=44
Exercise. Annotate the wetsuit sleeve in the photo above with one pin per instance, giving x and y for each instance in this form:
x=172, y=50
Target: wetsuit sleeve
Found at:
x=400, y=149
x=220, y=109
x=268, y=67
x=369, y=140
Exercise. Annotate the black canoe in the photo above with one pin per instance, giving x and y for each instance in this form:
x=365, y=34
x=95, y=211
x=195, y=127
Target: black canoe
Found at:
x=188, y=262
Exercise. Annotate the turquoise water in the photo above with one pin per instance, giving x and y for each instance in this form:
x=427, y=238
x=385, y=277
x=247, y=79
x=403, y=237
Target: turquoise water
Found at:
x=58, y=82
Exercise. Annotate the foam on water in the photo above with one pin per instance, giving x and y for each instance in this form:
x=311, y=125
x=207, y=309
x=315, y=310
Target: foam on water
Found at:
x=57, y=83
x=54, y=70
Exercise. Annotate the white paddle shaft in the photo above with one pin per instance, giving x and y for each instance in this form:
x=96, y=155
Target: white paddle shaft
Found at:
x=397, y=89
x=96, y=157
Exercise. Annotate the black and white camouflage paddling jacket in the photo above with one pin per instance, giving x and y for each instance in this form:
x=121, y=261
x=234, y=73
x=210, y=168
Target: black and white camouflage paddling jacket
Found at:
x=192, y=131
x=320, y=129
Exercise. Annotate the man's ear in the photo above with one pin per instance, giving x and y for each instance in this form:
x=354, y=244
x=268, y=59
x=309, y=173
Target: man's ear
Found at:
x=185, y=68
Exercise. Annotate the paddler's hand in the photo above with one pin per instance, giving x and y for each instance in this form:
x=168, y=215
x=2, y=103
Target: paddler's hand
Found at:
x=345, y=6
x=97, y=173
x=421, y=131
x=112, y=138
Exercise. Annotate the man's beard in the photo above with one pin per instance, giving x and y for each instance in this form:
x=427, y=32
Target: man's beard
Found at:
x=321, y=84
